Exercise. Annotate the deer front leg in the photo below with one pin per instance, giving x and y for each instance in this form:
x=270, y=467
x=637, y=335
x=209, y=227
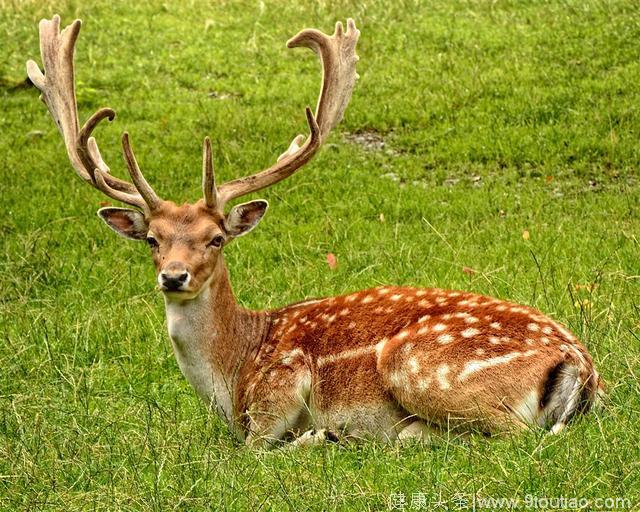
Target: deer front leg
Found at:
x=278, y=404
x=418, y=430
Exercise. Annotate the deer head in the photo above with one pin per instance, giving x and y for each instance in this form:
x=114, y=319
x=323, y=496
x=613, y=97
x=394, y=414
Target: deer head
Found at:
x=186, y=241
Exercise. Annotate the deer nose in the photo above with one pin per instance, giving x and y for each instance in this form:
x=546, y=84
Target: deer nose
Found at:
x=172, y=279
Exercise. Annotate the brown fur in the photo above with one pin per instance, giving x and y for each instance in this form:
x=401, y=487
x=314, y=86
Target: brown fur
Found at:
x=336, y=340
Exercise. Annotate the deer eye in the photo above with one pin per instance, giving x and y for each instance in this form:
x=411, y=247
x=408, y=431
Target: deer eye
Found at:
x=216, y=241
x=153, y=243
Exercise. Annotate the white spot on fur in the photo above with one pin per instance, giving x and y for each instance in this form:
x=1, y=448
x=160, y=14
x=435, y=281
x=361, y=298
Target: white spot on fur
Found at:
x=396, y=297
x=440, y=327
x=344, y=312
x=441, y=300
x=495, y=325
x=402, y=335
x=477, y=365
x=407, y=347
x=442, y=372
x=306, y=303
x=423, y=303
x=423, y=319
x=351, y=298
x=443, y=339
x=544, y=340
x=413, y=365
x=420, y=293
x=533, y=327
x=408, y=298
x=494, y=340
x=423, y=330
x=461, y=314
x=423, y=384
x=346, y=354
x=383, y=291
x=379, y=346
x=367, y=299
x=468, y=333
x=501, y=307
x=479, y=351
x=579, y=354
x=547, y=330
x=397, y=380
x=471, y=320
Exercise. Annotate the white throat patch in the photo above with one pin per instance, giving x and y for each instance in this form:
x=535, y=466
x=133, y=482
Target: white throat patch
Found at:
x=192, y=334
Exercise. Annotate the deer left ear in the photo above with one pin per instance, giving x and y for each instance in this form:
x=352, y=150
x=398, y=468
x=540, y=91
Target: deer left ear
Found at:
x=244, y=217
x=126, y=222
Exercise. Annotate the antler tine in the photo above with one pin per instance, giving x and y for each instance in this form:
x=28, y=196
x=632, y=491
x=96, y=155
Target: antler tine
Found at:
x=208, y=177
x=87, y=149
x=57, y=86
x=130, y=199
x=147, y=193
x=338, y=58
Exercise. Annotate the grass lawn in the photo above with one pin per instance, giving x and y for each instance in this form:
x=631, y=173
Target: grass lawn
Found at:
x=489, y=146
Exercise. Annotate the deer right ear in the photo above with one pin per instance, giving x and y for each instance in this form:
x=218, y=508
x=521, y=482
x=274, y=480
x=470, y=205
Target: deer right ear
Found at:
x=244, y=217
x=125, y=221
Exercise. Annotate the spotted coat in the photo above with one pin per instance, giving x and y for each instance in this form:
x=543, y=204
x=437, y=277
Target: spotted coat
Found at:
x=376, y=361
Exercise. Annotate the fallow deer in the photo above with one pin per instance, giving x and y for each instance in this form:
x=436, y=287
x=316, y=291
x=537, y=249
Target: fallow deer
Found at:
x=389, y=362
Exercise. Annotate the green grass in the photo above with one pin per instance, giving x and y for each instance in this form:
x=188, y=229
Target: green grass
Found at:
x=497, y=117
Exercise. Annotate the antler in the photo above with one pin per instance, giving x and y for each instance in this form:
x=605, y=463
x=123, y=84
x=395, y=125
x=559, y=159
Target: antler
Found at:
x=338, y=57
x=57, y=86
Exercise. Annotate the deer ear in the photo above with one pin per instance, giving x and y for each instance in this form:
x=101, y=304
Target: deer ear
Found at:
x=126, y=222
x=244, y=217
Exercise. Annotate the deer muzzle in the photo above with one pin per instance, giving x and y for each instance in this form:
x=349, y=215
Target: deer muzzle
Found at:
x=175, y=277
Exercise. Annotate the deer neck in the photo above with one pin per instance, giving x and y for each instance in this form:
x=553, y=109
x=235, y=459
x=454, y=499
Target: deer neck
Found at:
x=212, y=337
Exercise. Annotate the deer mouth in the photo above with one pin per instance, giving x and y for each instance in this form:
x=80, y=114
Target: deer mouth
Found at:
x=180, y=295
